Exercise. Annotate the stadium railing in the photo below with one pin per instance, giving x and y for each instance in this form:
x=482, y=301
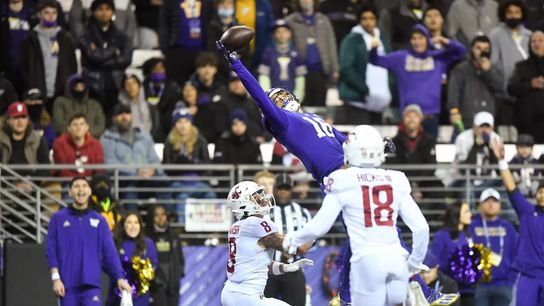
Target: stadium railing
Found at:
x=24, y=215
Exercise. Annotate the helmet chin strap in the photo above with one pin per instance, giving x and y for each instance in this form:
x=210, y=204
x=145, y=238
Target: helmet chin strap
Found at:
x=292, y=106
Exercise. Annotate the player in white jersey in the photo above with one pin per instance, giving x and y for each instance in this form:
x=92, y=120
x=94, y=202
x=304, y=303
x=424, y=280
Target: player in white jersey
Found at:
x=252, y=241
x=370, y=200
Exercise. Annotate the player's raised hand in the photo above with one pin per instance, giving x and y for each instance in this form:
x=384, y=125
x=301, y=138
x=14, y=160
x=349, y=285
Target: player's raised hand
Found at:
x=498, y=148
x=230, y=56
x=297, y=265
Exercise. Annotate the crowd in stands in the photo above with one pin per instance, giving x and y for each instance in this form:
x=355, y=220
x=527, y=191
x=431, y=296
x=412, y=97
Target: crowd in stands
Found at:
x=471, y=64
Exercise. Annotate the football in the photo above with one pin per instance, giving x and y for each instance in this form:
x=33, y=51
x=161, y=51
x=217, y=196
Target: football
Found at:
x=237, y=38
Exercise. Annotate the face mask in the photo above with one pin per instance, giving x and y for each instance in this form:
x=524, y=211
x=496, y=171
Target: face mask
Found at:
x=78, y=95
x=101, y=192
x=513, y=23
x=35, y=112
x=49, y=24
x=225, y=12
x=158, y=76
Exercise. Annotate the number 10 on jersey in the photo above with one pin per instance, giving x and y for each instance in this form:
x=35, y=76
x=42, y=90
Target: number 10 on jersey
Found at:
x=380, y=205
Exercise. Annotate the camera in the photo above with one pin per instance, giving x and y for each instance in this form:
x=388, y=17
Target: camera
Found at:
x=485, y=54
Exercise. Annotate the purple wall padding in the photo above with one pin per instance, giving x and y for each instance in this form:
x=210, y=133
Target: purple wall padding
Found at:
x=205, y=274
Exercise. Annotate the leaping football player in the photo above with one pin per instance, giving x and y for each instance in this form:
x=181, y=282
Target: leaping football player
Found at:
x=316, y=143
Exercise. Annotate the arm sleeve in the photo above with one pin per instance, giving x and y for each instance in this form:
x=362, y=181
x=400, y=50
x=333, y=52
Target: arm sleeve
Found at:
x=454, y=51
x=275, y=116
x=110, y=259
x=414, y=219
x=51, y=244
x=321, y=223
x=520, y=203
x=259, y=228
x=385, y=61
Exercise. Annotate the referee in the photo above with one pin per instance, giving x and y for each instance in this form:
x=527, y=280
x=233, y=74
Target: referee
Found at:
x=289, y=217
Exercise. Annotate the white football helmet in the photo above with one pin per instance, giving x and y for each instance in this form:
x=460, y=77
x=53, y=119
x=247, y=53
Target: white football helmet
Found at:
x=364, y=147
x=284, y=99
x=247, y=198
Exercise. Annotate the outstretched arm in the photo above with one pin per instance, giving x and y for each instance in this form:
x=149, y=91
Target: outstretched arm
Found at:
x=275, y=115
x=320, y=224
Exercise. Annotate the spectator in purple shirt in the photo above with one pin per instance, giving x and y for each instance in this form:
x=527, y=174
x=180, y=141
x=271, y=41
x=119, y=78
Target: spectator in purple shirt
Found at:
x=419, y=71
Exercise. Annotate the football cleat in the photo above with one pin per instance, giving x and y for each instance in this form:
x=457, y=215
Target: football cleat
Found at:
x=442, y=299
x=337, y=301
x=415, y=295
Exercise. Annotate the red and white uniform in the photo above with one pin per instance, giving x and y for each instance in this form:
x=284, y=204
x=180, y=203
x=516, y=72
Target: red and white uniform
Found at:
x=370, y=200
x=248, y=262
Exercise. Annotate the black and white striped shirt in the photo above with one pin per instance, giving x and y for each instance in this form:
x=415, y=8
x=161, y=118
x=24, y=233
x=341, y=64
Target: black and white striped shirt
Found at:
x=289, y=218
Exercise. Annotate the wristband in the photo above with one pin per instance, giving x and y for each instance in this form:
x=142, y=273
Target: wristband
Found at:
x=55, y=276
x=276, y=268
x=503, y=165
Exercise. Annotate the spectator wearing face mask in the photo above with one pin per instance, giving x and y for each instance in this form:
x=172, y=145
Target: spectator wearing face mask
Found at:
x=510, y=43
x=39, y=116
x=223, y=18
x=48, y=56
x=103, y=201
x=76, y=100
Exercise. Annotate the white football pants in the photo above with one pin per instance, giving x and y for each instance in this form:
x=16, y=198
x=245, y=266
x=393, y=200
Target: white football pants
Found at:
x=379, y=280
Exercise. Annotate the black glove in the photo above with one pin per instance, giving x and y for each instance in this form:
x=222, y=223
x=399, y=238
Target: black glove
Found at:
x=390, y=147
x=231, y=56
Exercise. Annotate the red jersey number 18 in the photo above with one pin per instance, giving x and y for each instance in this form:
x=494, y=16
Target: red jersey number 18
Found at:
x=376, y=214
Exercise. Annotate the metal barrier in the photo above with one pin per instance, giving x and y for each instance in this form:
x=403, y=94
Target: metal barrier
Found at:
x=24, y=214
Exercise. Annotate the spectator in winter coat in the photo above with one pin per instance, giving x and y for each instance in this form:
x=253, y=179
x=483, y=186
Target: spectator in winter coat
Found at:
x=103, y=201
x=7, y=94
x=414, y=146
x=182, y=30
x=236, y=146
x=211, y=93
x=281, y=65
x=39, y=116
x=527, y=85
x=186, y=146
x=524, y=157
x=48, y=56
x=434, y=21
x=468, y=17
x=510, y=42
x=315, y=42
x=17, y=19
x=21, y=145
x=126, y=145
x=146, y=116
x=160, y=93
x=395, y=22
x=165, y=286
x=365, y=89
x=77, y=147
x=105, y=54
x=474, y=85
x=418, y=71
x=237, y=97
x=76, y=100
